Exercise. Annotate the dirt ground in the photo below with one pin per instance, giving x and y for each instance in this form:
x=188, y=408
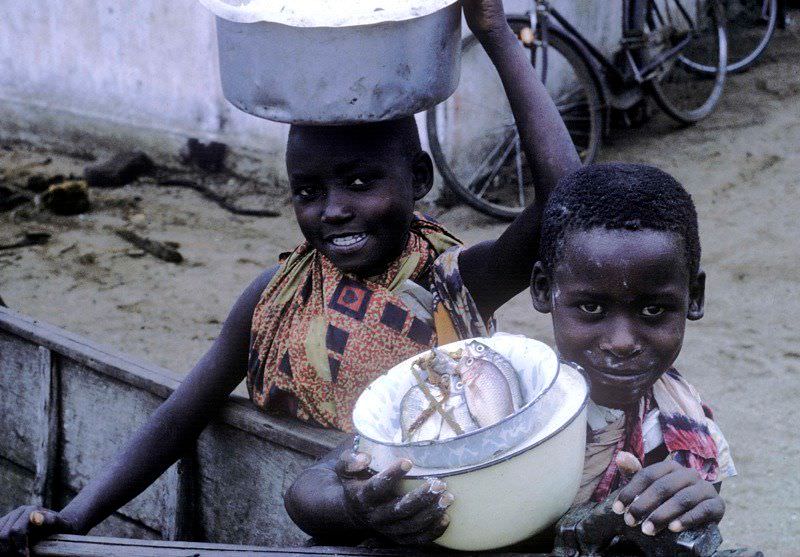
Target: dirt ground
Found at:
x=741, y=165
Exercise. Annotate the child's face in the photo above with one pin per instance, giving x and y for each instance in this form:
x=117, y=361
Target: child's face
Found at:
x=620, y=300
x=353, y=192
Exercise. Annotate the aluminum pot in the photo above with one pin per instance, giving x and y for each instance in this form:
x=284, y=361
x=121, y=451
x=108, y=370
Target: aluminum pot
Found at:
x=340, y=75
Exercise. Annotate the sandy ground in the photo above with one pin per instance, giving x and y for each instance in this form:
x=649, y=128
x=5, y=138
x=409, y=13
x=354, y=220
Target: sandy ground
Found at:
x=741, y=164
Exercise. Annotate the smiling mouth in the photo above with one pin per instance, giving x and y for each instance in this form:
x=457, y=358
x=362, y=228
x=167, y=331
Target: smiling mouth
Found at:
x=348, y=242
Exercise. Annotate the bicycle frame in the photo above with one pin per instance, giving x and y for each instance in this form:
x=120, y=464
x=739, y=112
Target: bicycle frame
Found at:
x=633, y=39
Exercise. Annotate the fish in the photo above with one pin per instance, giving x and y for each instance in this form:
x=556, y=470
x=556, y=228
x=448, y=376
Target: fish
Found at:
x=456, y=408
x=415, y=426
x=422, y=419
x=477, y=349
x=486, y=391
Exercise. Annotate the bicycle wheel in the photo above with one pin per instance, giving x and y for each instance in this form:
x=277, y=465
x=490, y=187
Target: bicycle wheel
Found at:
x=750, y=26
x=677, y=31
x=473, y=135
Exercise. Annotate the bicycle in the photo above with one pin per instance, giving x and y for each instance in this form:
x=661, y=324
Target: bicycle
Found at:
x=473, y=136
x=750, y=26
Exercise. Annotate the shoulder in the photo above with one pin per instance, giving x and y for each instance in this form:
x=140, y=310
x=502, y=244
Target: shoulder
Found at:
x=242, y=311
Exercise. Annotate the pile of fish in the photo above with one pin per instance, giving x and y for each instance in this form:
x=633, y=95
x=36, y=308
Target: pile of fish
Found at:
x=458, y=393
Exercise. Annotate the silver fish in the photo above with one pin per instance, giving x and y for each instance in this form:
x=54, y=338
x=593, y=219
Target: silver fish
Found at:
x=457, y=409
x=413, y=425
x=478, y=350
x=486, y=391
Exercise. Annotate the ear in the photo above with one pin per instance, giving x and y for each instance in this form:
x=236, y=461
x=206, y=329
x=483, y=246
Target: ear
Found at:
x=422, y=170
x=541, y=287
x=697, y=297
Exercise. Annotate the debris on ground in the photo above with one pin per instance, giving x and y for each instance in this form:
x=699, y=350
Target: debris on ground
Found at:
x=89, y=258
x=10, y=199
x=28, y=239
x=67, y=198
x=209, y=157
x=166, y=251
x=121, y=169
x=39, y=183
x=220, y=200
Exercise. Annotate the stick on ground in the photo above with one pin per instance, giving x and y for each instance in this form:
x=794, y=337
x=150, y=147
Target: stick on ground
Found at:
x=158, y=249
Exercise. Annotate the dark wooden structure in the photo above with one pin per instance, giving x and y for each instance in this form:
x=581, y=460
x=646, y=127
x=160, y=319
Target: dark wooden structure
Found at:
x=67, y=405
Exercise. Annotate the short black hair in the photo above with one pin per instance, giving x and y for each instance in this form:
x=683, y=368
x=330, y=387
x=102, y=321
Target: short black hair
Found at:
x=618, y=196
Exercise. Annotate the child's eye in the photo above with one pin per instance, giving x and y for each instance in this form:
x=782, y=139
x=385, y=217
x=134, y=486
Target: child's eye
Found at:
x=592, y=309
x=652, y=311
x=305, y=192
x=357, y=183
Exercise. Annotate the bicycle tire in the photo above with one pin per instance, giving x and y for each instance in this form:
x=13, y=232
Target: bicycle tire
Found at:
x=738, y=62
x=587, y=77
x=665, y=100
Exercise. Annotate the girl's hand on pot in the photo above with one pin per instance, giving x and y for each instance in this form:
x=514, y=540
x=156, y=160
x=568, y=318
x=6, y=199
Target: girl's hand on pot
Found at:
x=668, y=495
x=484, y=16
x=416, y=518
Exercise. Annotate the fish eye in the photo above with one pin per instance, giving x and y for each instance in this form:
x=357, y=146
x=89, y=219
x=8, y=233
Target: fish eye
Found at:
x=480, y=348
x=470, y=361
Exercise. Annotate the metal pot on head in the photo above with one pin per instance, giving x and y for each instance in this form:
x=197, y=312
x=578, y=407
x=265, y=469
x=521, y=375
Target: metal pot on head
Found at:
x=322, y=68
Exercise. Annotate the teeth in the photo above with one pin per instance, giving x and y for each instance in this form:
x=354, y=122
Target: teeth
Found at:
x=346, y=241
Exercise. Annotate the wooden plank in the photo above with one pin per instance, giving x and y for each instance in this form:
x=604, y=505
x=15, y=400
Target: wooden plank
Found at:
x=122, y=367
x=100, y=414
x=78, y=546
x=161, y=382
x=287, y=432
x=16, y=485
x=48, y=429
x=19, y=401
x=242, y=482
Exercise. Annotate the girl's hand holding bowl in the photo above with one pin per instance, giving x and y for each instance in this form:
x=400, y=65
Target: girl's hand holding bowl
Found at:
x=373, y=503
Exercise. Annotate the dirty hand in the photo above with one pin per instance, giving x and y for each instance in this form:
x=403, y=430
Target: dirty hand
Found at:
x=24, y=526
x=668, y=495
x=415, y=518
x=484, y=15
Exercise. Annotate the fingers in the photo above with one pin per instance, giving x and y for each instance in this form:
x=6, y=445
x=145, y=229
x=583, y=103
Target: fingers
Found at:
x=672, y=488
x=709, y=510
x=641, y=481
x=430, y=495
x=351, y=464
x=383, y=486
x=8, y=545
x=628, y=463
x=16, y=528
x=668, y=495
x=422, y=538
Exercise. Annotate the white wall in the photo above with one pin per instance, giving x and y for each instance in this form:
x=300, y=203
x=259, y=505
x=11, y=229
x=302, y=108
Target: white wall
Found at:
x=146, y=72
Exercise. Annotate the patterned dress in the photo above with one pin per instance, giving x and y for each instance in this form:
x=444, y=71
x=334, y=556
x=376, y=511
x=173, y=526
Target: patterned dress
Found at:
x=320, y=337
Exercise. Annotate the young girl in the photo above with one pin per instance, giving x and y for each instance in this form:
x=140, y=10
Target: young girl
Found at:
x=372, y=285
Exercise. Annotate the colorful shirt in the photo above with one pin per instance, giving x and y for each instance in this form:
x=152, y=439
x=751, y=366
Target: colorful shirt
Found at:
x=672, y=415
x=320, y=336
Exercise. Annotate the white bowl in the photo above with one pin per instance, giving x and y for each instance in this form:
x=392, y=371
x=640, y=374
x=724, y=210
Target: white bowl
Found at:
x=519, y=493
x=377, y=410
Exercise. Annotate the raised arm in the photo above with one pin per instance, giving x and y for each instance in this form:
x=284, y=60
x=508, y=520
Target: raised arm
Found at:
x=159, y=443
x=495, y=271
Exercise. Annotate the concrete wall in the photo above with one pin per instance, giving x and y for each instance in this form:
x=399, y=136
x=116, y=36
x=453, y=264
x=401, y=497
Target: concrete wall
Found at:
x=109, y=72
